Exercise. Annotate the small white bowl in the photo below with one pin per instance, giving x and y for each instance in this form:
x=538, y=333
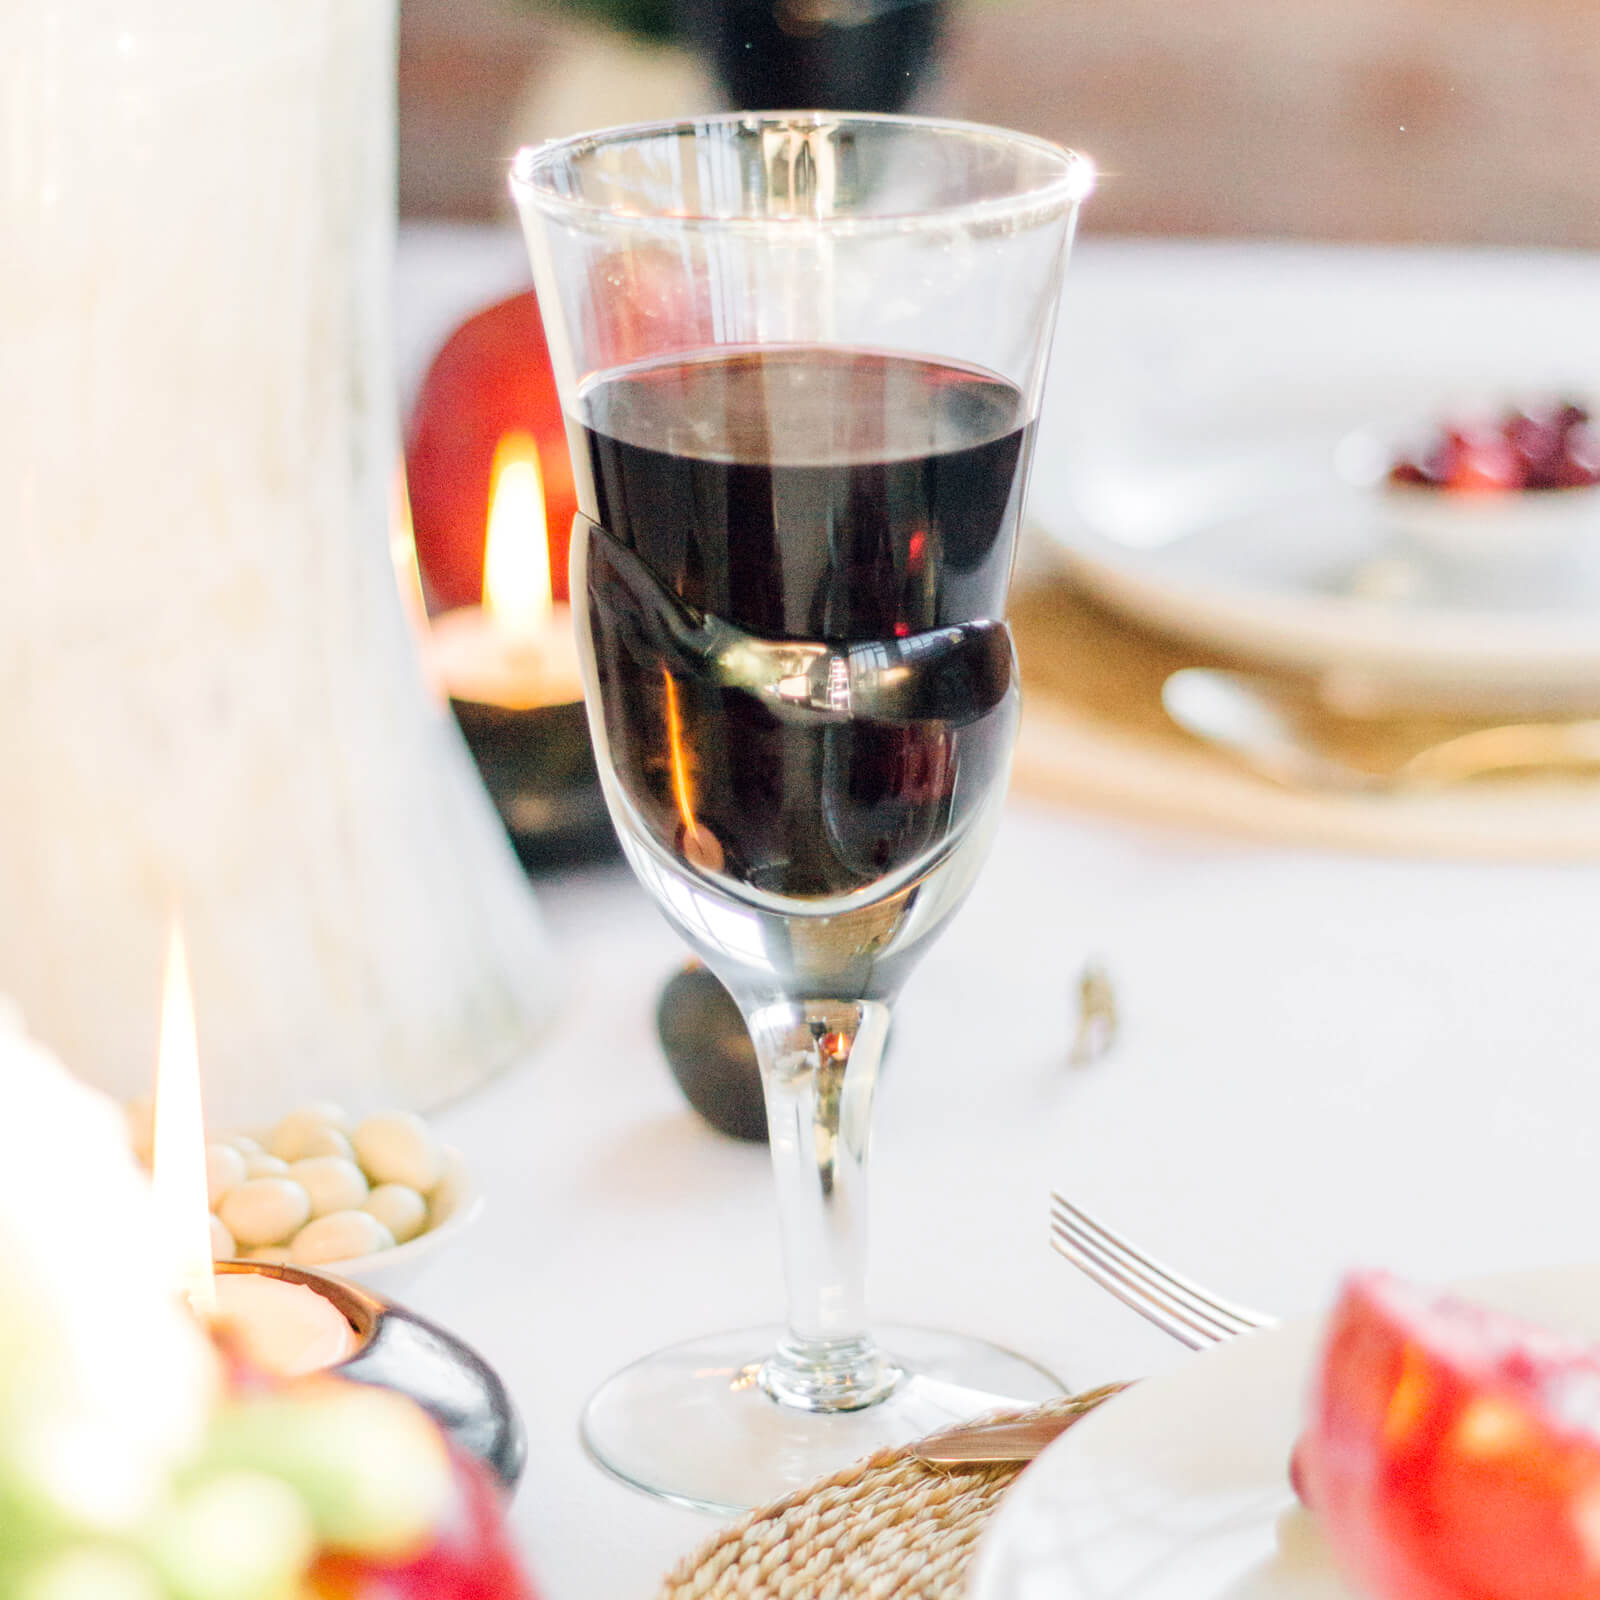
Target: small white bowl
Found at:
x=1520, y=525
x=1516, y=527
x=387, y=1272
x=390, y=1271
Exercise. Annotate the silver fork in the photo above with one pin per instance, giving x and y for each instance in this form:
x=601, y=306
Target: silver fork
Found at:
x=1175, y=1304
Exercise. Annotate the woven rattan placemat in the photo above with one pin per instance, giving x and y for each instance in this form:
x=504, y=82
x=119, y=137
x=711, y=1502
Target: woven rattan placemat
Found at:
x=886, y=1526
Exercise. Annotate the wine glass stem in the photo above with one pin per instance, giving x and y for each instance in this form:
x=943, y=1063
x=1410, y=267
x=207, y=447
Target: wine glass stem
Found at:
x=819, y=1067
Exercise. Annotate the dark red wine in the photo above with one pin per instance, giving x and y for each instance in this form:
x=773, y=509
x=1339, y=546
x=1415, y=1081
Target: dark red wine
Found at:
x=792, y=493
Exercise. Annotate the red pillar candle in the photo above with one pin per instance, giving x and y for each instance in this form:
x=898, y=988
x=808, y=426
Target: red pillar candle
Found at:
x=491, y=379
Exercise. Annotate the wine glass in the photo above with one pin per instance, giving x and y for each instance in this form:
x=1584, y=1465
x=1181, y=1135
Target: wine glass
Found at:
x=800, y=356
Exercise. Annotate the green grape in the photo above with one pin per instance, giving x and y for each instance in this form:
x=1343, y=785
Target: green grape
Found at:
x=236, y=1536
x=372, y=1468
x=87, y=1572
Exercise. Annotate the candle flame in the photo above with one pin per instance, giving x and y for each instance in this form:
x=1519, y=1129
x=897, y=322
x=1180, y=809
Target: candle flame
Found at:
x=179, y=1163
x=516, y=556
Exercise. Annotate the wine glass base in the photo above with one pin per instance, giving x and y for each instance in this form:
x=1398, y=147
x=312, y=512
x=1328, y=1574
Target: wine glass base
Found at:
x=693, y=1424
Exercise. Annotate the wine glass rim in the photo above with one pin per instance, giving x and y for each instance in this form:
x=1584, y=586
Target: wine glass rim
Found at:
x=1070, y=183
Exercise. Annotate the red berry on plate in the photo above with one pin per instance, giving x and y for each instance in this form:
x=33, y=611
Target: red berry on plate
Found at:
x=1579, y=464
x=1536, y=440
x=1483, y=463
x=1442, y=459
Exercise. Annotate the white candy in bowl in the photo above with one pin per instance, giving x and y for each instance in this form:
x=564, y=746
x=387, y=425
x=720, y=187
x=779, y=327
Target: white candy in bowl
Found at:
x=371, y=1200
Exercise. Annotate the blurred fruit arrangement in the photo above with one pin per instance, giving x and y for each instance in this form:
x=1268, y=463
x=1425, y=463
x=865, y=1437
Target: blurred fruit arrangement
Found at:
x=317, y=1490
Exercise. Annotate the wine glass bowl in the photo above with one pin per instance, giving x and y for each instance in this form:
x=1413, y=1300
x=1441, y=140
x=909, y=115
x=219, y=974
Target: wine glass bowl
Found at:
x=801, y=357
x=882, y=763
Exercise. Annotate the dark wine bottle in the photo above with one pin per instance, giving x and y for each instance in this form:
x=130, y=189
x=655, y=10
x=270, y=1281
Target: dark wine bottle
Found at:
x=831, y=55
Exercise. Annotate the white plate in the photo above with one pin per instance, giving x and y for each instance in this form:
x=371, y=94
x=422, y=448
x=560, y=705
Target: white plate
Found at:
x=1197, y=455
x=1178, y=1489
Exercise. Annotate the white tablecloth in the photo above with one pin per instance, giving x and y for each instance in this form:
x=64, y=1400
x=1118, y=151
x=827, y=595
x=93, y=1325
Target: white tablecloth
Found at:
x=1325, y=1060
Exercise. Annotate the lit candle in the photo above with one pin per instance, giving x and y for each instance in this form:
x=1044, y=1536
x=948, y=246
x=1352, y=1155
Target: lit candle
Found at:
x=517, y=650
x=281, y=1327
x=106, y=1384
x=276, y=1326
x=177, y=1178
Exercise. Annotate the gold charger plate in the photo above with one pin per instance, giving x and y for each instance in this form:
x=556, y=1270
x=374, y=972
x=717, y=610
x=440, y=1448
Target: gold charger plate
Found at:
x=1094, y=736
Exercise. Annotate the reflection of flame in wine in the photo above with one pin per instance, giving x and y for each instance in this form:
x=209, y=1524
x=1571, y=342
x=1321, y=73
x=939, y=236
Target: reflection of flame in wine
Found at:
x=700, y=846
x=678, y=759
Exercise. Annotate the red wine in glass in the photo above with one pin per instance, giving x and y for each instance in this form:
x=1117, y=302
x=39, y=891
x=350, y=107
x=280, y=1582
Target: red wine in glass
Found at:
x=849, y=498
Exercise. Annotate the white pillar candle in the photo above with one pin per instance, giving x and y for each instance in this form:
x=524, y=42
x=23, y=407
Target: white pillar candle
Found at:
x=211, y=697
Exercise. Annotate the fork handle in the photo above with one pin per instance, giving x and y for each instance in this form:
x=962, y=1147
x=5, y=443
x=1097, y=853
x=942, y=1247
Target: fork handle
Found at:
x=1005, y=1443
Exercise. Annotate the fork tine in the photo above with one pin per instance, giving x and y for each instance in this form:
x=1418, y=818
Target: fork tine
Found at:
x=1080, y=1248
x=1150, y=1281
x=1137, y=1299
x=1245, y=1317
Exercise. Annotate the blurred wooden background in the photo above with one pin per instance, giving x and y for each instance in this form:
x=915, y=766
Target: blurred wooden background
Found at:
x=1447, y=120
